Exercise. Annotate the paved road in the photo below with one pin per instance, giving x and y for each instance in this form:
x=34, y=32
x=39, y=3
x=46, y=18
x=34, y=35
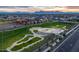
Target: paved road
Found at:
x=71, y=43
x=9, y=26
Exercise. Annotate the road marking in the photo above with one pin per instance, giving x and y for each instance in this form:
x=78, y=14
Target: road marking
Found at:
x=66, y=39
x=47, y=49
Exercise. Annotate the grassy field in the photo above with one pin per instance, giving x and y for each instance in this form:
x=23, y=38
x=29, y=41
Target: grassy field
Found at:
x=75, y=20
x=25, y=44
x=25, y=39
x=9, y=37
x=5, y=21
x=35, y=31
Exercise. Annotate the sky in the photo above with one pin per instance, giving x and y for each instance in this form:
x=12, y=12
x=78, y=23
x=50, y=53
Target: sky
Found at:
x=39, y=8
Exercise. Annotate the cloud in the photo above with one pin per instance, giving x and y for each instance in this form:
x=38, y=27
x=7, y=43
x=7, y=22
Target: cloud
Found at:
x=38, y=8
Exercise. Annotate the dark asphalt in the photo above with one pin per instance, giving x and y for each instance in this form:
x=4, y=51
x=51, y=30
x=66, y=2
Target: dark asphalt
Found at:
x=9, y=26
x=72, y=43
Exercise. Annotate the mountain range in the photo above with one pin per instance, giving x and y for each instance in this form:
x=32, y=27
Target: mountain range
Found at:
x=40, y=12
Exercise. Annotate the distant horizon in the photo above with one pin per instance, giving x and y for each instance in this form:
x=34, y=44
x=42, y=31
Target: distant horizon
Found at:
x=39, y=8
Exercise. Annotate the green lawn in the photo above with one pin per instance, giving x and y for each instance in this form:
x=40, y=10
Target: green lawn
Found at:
x=25, y=39
x=25, y=44
x=35, y=31
x=54, y=25
x=5, y=21
x=9, y=37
